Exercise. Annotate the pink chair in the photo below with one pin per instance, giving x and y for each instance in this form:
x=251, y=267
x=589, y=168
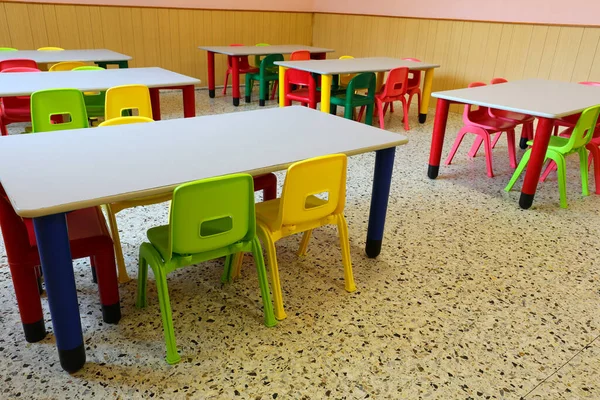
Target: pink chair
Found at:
x=481, y=123
x=14, y=109
x=244, y=66
x=394, y=89
x=18, y=63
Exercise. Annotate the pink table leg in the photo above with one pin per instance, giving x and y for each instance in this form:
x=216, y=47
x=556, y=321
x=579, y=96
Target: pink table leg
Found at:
x=211, y=74
x=437, y=141
x=155, y=100
x=536, y=161
x=189, y=101
x=235, y=80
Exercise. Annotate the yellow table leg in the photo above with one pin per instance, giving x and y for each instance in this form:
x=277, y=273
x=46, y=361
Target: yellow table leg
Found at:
x=281, y=86
x=426, y=95
x=326, y=92
x=379, y=82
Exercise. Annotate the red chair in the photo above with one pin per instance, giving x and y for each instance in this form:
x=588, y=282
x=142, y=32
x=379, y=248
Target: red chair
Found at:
x=88, y=237
x=244, y=66
x=394, y=89
x=18, y=63
x=300, y=55
x=306, y=88
x=14, y=109
x=481, y=123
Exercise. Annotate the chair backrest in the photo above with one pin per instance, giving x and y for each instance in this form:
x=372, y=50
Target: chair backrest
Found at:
x=17, y=63
x=324, y=177
x=243, y=63
x=257, y=57
x=88, y=68
x=49, y=106
x=268, y=62
x=297, y=77
x=7, y=49
x=344, y=79
x=66, y=66
x=496, y=81
x=469, y=114
x=128, y=97
x=20, y=69
x=584, y=129
x=396, y=83
x=50, y=49
x=125, y=121
x=300, y=55
x=212, y=213
x=365, y=80
x=414, y=77
x=590, y=83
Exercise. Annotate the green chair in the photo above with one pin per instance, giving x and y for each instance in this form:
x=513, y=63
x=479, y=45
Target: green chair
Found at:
x=7, y=49
x=57, y=110
x=560, y=147
x=350, y=99
x=94, y=101
x=210, y=218
x=265, y=75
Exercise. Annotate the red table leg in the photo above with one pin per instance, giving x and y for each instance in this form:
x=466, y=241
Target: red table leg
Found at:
x=155, y=100
x=211, y=74
x=437, y=141
x=536, y=161
x=235, y=80
x=189, y=101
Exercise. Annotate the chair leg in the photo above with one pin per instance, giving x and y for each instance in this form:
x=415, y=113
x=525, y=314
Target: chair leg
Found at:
x=304, y=243
x=361, y=113
x=225, y=84
x=583, y=166
x=3, y=129
x=477, y=144
x=595, y=158
x=496, y=139
x=30, y=306
x=108, y=285
x=551, y=167
x=488, y=153
x=263, y=283
x=348, y=111
x=236, y=266
x=164, y=302
x=459, y=138
x=226, y=276
x=346, y=259
x=405, y=113
x=380, y=110
x=142, y=291
x=275, y=282
x=249, y=87
x=369, y=115
x=263, y=92
x=93, y=264
x=518, y=171
x=561, y=171
x=275, y=85
x=512, y=156
x=114, y=233
x=391, y=107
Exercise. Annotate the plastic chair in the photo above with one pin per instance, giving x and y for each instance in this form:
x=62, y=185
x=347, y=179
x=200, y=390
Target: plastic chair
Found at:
x=483, y=125
x=121, y=99
x=94, y=101
x=299, y=210
x=125, y=121
x=344, y=79
x=300, y=55
x=394, y=89
x=50, y=49
x=17, y=108
x=306, y=88
x=267, y=73
x=414, y=86
x=560, y=147
x=66, y=66
x=351, y=99
x=50, y=107
x=18, y=63
x=243, y=65
x=257, y=59
x=7, y=49
x=209, y=219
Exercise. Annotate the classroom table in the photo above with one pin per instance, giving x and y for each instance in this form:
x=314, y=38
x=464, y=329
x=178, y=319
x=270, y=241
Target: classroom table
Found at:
x=546, y=100
x=26, y=83
x=102, y=57
x=201, y=147
x=380, y=65
x=240, y=51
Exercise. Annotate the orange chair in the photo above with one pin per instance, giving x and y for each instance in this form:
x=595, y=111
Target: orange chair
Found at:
x=244, y=66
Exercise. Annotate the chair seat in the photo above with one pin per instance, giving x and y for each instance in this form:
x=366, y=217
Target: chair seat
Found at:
x=302, y=95
x=357, y=100
x=569, y=120
x=555, y=143
x=491, y=123
x=268, y=77
x=23, y=112
x=159, y=237
x=513, y=116
x=267, y=211
x=245, y=70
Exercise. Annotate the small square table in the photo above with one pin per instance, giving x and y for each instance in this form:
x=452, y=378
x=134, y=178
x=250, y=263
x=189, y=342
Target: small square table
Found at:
x=102, y=57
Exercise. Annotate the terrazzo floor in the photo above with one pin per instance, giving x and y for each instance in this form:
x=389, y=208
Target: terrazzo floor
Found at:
x=471, y=298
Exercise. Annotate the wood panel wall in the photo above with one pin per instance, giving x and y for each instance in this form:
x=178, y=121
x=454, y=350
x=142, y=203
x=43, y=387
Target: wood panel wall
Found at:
x=467, y=51
x=161, y=37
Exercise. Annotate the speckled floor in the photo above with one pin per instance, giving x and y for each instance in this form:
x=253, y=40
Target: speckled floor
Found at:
x=471, y=298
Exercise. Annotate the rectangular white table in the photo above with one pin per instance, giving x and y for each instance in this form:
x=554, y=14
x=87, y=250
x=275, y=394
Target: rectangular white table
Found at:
x=380, y=65
x=101, y=57
x=235, y=52
x=546, y=100
x=201, y=147
x=26, y=83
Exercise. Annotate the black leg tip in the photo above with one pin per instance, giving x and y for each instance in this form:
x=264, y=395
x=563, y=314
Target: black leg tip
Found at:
x=526, y=200
x=236, y=102
x=373, y=248
x=72, y=360
x=422, y=118
x=94, y=276
x=261, y=103
x=111, y=314
x=433, y=171
x=523, y=143
x=247, y=99
x=211, y=93
x=35, y=331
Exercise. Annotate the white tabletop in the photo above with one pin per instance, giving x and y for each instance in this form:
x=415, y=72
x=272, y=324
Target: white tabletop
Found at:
x=65, y=55
x=25, y=83
x=263, y=50
x=69, y=170
x=354, y=65
x=537, y=97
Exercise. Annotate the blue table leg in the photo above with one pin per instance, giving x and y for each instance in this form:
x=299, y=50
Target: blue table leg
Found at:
x=384, y=165
x=57, y=265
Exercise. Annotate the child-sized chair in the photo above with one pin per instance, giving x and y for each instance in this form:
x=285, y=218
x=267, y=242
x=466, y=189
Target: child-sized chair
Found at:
x=483, y=125
x=267, y=73
x=17, y=108
x=209, y=219
x=66, y=104
x=257, y=59
x=8, y=49
x=299, y=210
x=300, y=55
x=18, y=63
x=414, y=84
x=94, y=101
x=121, y=100
x=50, y=49
x=66, y=66
x=351, y=99
x=560, y=147
x=306, y=88
x=394, y=89
x=243, y=65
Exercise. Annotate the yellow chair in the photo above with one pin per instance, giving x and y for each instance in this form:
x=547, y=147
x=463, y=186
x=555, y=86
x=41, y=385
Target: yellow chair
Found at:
x=122, y=99
x=50, y=49
x=113, y=209
x=345, y=79
x=66, y=66
x=300, y=210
